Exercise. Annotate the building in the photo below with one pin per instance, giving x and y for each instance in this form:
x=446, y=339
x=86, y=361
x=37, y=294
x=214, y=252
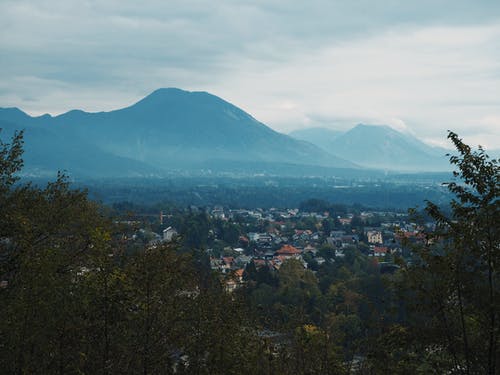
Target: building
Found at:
x=374, y=236
x=169, y=234
x=288, y=251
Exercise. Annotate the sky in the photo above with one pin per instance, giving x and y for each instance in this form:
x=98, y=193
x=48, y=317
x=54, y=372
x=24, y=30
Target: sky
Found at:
x=421, y=67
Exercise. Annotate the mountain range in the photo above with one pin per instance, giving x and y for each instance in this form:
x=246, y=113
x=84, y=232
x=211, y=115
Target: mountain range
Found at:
x=169, y=130
x=378, y=146
x=174, y=131
x=321, y=137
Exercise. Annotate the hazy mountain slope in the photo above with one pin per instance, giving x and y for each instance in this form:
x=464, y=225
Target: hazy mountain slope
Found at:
x=384, y=147
x=321, y=137
x=172, y=127
x=47, y=152
x=493, y=153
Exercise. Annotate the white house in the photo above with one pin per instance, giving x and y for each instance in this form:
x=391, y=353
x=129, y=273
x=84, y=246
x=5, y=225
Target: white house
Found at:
x=169, y=234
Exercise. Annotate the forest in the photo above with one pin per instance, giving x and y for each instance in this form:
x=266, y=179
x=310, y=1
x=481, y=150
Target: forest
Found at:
x=77, y=297
x=393, y=191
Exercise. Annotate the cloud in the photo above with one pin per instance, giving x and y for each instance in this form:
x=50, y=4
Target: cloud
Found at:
x=420, y=78
x=421, y=66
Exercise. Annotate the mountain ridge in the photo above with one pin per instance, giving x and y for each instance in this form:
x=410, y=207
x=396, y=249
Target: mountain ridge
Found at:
x=319, y=136
x=380, y=146
x=172, y=129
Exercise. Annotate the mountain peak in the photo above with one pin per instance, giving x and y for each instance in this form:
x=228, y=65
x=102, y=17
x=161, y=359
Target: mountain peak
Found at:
x=373, y=127
x=13, y=114
x=12, y=110
x=175, y=96
x=162, y=91
x=380, y=146
x=174, y=129
x=162, y=94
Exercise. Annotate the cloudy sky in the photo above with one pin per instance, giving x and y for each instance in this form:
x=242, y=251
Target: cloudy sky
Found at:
x=420, y=66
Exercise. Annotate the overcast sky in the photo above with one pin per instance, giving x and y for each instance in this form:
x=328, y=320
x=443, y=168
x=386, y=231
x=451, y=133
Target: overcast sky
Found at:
x=420, y=66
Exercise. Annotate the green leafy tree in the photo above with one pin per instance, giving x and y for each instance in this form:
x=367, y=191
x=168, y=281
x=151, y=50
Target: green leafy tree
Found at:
x=47, y=241
x=160, y=286
x=71, y=302
x=455, y=281
x=314, y=352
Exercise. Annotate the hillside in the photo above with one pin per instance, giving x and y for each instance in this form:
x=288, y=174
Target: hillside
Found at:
x=381, y=147
x=170, y=129
x=321, y=137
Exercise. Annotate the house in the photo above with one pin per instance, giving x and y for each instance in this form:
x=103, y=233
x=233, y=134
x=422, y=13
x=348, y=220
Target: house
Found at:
x=252, y=236
x=339, y=253
x=380, y=251
x=238, y=274
x=337, y=233
x=260, y=238
x=259, y=263
x=169, y=234
x=216, y=264
x=228, y=263
x=243, y=260
x=218, y=213
x=234, y=280
x=315, y=236
x=243, y=241
x=310, y=249
x=304, y=235
x=288, y=251
x=265, y=238
x=238, y=250
x=345, y=220
x=268, y=254
x=374, y=236
x=349, y=240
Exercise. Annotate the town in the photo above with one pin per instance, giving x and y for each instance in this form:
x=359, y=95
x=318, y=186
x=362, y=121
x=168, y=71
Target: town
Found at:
x=313, y=288
x=238, y=240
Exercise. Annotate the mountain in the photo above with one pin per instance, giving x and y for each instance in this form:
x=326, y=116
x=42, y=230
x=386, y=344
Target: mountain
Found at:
x=385, y=148
x=170, y=129
x=321, y=137
x=47, y=152
x=493, y=153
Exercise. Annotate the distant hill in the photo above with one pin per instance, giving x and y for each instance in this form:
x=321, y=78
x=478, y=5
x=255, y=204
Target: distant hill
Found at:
x=170, y=129
x=321, y=137
x=47, y=152
x=382, y=147
x=493, y=153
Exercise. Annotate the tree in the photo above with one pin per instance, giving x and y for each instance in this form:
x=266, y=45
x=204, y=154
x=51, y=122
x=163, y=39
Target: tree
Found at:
x=10, y=164
x=70, y=301
x=48, y=238
x=455, y=281
x=161, y=285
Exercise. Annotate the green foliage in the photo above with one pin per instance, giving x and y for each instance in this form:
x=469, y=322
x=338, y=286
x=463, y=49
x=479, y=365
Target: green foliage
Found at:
x=455, y=283
x=194, y=231
x=77, y=295
x=73, y=301
x=10, y=161
x=228, y=232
